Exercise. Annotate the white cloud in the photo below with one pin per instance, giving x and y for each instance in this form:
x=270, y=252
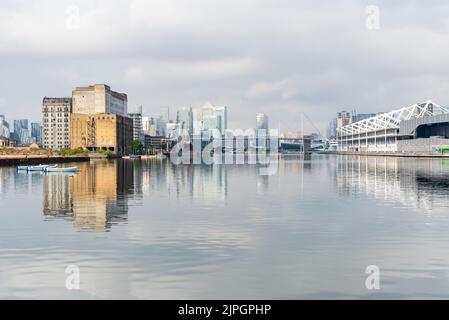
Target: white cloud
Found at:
x=284, y=89
x=256, y=55
x=180, y=71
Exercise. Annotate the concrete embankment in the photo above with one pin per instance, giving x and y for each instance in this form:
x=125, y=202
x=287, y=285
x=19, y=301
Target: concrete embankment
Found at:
x=388, y=154
x=20, y=160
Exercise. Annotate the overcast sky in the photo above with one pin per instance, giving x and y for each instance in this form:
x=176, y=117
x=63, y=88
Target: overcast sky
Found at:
x=280, y=57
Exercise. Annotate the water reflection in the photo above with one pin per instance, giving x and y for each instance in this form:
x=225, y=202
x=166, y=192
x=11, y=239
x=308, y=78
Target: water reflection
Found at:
x=222, y=231
x=96, y=197
x=416, y=183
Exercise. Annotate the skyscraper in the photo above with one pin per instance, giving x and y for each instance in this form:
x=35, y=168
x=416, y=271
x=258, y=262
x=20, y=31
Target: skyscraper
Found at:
x=262, y=122
x=146, y=124
x=362, y=116
x=262, y=129
x=185, y=120
x=210, y=117
x=4, y=127
x=21, y=131
x=138, y=133
x=332, y=129
x=36, y=132
x=161, y=126
x=222, y=112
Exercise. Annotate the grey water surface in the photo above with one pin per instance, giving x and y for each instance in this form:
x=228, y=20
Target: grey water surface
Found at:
x=154, y=230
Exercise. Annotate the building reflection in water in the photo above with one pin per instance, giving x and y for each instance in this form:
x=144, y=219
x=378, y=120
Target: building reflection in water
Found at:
x=96, y=197
x=200, y=182
x=417, y=183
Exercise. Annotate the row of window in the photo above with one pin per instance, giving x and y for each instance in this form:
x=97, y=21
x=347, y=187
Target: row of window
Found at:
x=54, y=109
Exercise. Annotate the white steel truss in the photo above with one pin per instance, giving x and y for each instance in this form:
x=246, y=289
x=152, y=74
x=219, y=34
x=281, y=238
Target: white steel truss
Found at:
x=392, y=120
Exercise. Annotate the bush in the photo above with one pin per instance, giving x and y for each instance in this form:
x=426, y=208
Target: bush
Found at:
x=106, y=152
x=73, y=152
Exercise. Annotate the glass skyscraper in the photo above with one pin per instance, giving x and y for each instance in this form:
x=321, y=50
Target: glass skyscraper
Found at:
x=36, y=132
x=21, y=131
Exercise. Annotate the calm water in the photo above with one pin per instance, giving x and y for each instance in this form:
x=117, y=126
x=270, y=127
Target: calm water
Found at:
x=154, y=230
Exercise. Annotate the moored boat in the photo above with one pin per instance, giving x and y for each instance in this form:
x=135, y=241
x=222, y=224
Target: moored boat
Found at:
x=57, y=169
x=132, y=157
x=41, y=167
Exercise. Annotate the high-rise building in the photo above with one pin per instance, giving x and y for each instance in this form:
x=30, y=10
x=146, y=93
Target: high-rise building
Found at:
x=332, y=129
x=262, y=130
x=344, y=118
x=262, y=122
x=172, y=130
x=161, y=126
x=184, y=119
x=146, y=124
x=21, y=132
x=222, y=112
x=56, y=122
x=362, y=116
x=36, y=132
x=99, y=98
x=138, y=133
x=149, y=126
x=4, y=127
x=210, y=117
x=197, y=117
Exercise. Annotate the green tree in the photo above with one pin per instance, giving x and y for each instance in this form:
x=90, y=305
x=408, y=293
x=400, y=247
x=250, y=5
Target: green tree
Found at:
x=137, y=147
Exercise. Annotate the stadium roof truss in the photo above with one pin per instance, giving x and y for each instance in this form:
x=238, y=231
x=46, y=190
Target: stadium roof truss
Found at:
x=392, y=120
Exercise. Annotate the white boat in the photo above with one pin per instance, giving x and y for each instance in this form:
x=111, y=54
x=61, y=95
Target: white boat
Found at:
x=22, y=168
x=131, y=157
x=41, y=167
x=56, y=169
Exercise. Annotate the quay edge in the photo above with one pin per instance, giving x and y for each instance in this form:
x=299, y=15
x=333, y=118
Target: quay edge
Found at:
x=36, y=160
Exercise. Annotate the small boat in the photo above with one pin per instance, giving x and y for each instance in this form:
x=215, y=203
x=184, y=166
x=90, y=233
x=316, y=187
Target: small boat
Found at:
x=131, y=157
x=41, y=167
x=56, y=169
x=22, y=168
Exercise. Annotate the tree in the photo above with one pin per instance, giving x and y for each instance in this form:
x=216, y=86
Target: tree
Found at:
x=137, y=147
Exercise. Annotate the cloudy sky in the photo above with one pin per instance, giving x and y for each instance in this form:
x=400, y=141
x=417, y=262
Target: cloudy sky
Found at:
x=281, y=57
